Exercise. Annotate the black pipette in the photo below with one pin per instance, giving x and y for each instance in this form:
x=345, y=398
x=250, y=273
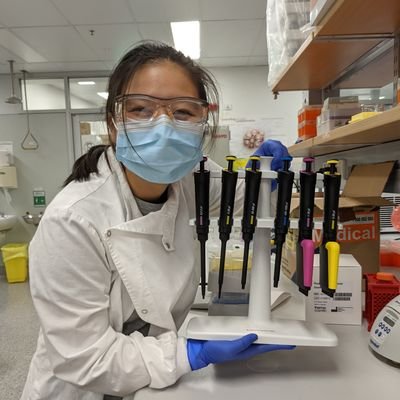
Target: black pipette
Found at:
x=249, y=220
x=202, y=189
x=281, y=222
x=229, y=180
x=305, y=245
x=330, y=249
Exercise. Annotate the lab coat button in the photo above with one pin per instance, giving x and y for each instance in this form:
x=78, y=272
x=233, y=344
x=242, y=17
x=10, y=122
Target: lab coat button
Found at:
x=108, y=233
x=144, y=311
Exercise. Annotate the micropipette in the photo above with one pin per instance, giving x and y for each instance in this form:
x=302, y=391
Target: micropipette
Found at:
x=202, y=190
x=249, y=220
x=305, y=244
x=330, y=249
x=229, y=180
x=281, y=222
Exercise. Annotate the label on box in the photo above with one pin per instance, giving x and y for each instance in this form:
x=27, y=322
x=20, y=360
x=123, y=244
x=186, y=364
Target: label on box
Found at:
x=341, y=301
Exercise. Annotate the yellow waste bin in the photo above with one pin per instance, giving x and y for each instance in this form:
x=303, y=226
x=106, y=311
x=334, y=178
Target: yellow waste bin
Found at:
x=15, y=258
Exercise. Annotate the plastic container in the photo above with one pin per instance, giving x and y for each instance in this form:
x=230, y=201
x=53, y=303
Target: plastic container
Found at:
x=15, y=258
x=380, y=289
x=386, y=253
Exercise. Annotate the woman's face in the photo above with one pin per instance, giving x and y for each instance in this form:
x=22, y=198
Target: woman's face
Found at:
x=164, y=80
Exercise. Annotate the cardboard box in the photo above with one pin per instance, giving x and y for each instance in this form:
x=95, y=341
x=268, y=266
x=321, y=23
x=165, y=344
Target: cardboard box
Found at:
x=346, y=305
x=358, y=213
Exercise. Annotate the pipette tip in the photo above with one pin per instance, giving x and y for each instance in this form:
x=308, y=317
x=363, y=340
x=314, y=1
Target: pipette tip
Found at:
x=304, y=291
x=328, y=292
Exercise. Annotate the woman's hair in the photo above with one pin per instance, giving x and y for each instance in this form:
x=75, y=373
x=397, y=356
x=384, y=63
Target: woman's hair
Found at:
x=144, y=53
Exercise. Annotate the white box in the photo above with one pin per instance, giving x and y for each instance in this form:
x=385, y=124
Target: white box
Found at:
x=345, y=307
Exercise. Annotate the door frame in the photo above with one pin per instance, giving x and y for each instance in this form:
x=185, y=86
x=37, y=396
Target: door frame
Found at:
x=77, y=118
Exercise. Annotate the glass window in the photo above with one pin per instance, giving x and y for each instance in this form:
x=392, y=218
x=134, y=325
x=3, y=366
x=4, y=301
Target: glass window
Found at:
x=92, y=133
x=44, y=94
x=88, y=92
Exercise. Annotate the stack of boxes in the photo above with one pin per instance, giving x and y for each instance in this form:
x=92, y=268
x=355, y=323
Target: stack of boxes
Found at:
x=336, y=112
x=307, y=122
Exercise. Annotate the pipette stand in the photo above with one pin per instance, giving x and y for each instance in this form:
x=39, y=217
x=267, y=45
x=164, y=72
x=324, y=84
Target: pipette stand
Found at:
x=259, y=320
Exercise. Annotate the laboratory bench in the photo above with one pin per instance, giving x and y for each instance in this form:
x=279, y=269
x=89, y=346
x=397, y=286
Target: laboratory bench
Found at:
x=348, y=371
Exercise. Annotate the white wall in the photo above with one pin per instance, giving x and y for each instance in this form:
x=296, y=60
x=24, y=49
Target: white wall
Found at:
x=46, y=167
x=245, y=89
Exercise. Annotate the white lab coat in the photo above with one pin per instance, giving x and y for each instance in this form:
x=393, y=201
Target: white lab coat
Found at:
x=93, y=261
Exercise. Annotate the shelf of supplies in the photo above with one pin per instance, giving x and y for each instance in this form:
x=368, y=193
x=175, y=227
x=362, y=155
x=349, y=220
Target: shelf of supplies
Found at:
x=382, y=128
x=345, y=34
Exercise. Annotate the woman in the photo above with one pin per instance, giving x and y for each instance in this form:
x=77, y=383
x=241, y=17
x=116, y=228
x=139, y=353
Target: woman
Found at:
x=113, y=262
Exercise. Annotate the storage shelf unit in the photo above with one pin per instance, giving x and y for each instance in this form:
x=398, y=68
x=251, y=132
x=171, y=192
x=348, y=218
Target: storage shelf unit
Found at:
x=349, y=30
x=349, y=33
x=379, y=129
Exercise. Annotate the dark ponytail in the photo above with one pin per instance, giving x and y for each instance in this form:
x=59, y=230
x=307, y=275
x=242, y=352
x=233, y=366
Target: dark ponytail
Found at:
x=87, y=164
x=144, y=53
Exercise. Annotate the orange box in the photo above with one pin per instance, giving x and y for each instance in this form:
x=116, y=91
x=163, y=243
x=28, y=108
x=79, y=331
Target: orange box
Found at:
x=308, y=113
x=307, y=130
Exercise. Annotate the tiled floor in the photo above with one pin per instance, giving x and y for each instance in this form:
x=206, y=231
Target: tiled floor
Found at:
x=18, y=334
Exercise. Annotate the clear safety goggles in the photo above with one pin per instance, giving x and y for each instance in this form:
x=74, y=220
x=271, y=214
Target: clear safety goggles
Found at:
x=143, y=108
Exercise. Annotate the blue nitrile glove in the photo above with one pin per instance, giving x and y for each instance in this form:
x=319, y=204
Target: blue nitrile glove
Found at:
x=275, y=149
x=204, y=352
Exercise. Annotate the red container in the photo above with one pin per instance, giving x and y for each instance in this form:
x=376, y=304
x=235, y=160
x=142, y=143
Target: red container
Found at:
x=380, y=289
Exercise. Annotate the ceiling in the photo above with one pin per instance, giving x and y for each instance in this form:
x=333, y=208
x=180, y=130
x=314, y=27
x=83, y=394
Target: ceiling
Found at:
x=91, y=35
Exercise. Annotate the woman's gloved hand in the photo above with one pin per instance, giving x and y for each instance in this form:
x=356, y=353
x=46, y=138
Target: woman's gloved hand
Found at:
x=204, y=352
x=275, y=149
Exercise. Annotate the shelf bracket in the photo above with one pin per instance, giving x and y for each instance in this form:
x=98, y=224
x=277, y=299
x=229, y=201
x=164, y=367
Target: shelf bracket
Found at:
x=396, y=67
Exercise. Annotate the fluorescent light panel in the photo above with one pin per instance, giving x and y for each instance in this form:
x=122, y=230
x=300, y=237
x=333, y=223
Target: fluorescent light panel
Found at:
x=187, y=38
x=88, y=83
x=104, y=95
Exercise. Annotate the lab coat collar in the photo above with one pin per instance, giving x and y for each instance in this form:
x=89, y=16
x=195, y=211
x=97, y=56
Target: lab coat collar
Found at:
x=161, y=222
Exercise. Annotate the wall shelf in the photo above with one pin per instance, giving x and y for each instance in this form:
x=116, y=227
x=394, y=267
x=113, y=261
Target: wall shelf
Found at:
x=349, y=30
x=379, y=129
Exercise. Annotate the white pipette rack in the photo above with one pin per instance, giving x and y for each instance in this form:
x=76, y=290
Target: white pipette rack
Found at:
x=259, y=320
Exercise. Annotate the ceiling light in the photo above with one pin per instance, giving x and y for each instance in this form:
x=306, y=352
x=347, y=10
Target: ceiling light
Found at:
x=86, y=83
x=381, y=97
x=104, y=95
x=187, y=38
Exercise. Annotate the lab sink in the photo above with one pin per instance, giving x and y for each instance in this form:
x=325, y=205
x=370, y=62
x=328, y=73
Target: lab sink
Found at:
x=7, y=222
x=32, y=219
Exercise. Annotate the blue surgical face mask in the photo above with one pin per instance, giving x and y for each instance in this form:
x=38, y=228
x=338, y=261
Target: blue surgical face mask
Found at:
x=160, y=151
